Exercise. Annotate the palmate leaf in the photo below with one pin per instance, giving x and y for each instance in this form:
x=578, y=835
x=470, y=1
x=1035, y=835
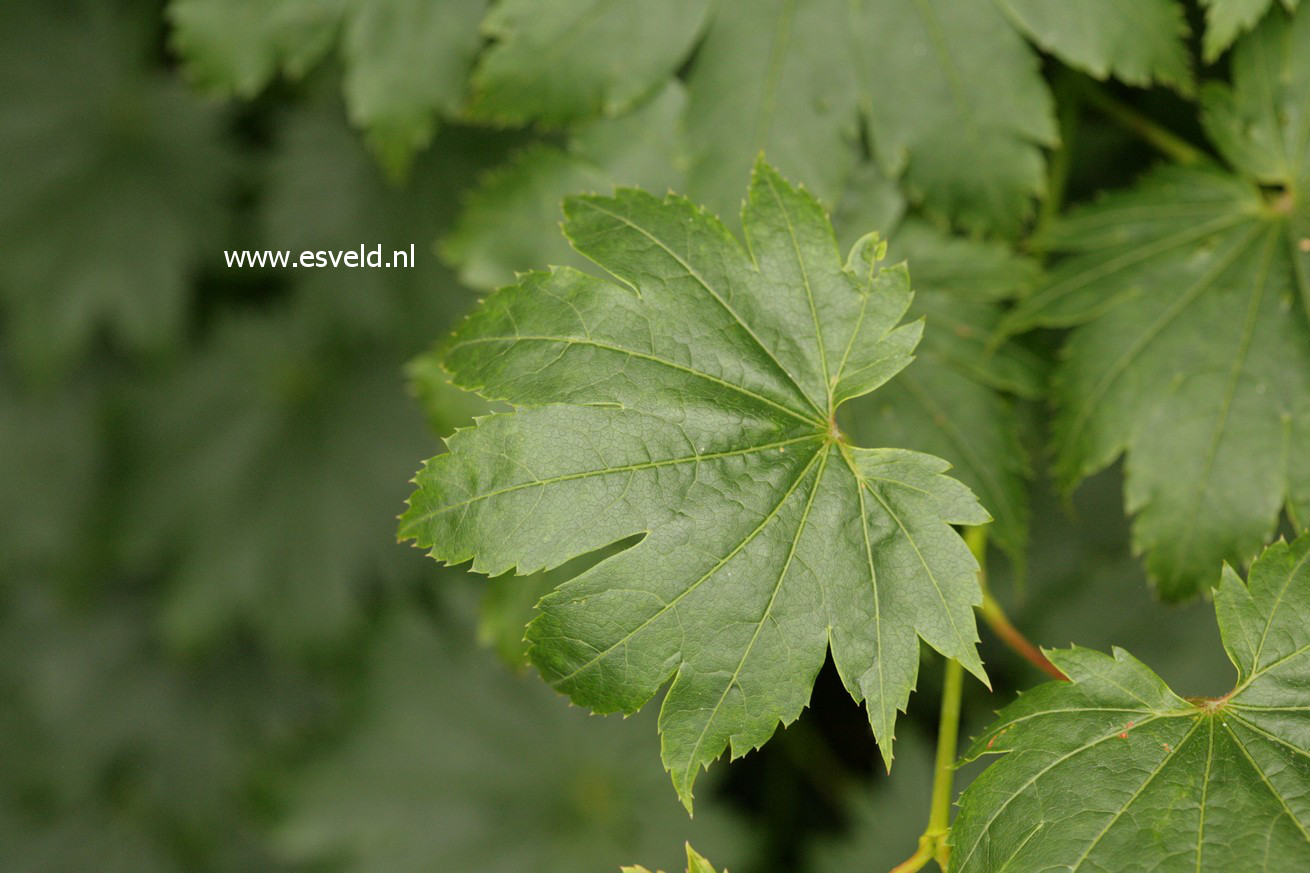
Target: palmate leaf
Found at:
x=566, y=60
x=405, y=61
x=1226, y=20
x=117, y=199
x=1114, y=771
x=771, y=76
x=956, y=106
x=694, y=404
x=1136, y=41
x=1194, y=354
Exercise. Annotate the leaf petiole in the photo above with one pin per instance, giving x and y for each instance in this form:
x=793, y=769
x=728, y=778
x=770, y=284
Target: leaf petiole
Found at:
x=993, y=614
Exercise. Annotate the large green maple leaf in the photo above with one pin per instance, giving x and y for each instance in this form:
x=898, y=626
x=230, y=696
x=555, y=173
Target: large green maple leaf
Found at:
x=1193, y=357
x=694, y=404
x=1114, y=771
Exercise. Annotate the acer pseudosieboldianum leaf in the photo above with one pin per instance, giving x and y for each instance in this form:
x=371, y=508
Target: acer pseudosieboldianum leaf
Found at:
x=1192, y=351
x=1114, y=771
x=692, y=402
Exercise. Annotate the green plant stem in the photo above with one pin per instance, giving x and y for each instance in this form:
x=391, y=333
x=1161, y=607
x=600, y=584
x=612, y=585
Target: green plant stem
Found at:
x=993, y=614
x=932, y=843
x=1165, y=141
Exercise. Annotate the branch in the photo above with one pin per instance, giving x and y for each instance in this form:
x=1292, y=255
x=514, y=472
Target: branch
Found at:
x=1164, y=141
x=993, y=614
x=932, y=843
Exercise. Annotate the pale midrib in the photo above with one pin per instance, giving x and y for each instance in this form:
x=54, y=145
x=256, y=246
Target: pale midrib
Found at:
x=655, y=359
x=607, y=471
x=809, y=290
x=700, y=280
x=1176, y=309
x=1273, y=612
x=1225, y=410
x=1169, y=756
x=886, y=720
x=964, y=645
x=768, y=611
x=1131, y=258
x=1265, y=780
x=791, y=489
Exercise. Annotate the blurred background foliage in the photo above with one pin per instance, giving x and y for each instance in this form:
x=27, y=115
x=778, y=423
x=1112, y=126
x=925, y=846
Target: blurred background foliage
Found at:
x=213, y=654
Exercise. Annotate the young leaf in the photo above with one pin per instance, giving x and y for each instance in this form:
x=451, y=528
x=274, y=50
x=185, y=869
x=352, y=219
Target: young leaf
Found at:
x=696, y=863
x=955, y=101
x=568, y=60
x=1194, y=355
x=695, y=404
x=1113, y=771
x=1137, y=43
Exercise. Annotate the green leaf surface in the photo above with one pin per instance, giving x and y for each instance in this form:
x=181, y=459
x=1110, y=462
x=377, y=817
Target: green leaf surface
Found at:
x=510, y=222
x=566, y=60
x=234, y=501
x=694, y=404
x=112, y=192
x=1114, y=771
x=950, y=402
x=1139, y=42
x=1193, y=358
x=1226, y=20
x=956, y=107
x=405, y=62
x=431, y=776
x=238, y=46
x=771, y=76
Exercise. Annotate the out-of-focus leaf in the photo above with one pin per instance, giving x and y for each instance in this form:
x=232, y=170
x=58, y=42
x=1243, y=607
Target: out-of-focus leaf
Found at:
x=1226, y=20
x=433, y=775
x=268, y=471
x=510, y=222
x=566, y=60
x=324, y=193
x=1136, y=41
x=112, y=191
x=238, y=46
x=52, y=461
x=956, y=107
x=1193, y=358
x=117, y=759
x=406, y=62
x=771, y=76
x=1112, y=770
x=883, y=820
